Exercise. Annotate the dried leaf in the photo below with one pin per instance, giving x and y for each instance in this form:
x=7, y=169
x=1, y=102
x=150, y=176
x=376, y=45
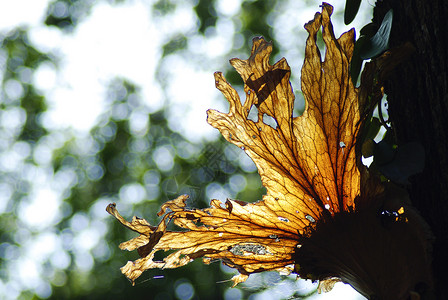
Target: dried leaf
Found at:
x=309, y=166
x=306, y=162
x=239, y=238
x=327, y=285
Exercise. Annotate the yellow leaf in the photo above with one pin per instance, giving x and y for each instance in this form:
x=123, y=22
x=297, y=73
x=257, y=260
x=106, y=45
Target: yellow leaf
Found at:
x=307, y=164
x=316, y=209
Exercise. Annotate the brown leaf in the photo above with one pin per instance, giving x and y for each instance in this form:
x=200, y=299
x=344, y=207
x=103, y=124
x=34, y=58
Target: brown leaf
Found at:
x=308, y=164
x=239, y=238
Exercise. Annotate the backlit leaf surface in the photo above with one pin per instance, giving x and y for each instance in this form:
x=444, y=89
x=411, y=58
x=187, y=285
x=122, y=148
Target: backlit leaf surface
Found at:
x=308, y=164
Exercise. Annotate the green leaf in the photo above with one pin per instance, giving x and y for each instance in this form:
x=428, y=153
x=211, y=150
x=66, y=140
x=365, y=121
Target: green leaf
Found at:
x=401, y=163
x=356, y=61
x=370, y=131
x=369, y=30
x=351, y=9
x=383, y=153
x=368, y=148
x=373, y=128
x=380, y=41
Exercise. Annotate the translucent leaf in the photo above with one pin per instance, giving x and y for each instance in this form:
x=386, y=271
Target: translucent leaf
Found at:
x=308, y=164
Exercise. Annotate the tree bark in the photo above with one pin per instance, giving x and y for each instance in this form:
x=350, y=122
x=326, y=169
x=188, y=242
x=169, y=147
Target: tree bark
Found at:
x=417, y=95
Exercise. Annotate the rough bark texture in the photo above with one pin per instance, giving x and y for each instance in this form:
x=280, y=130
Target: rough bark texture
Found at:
x=417, y=94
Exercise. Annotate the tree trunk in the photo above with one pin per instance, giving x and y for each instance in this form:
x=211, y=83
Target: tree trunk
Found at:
x=417, y=94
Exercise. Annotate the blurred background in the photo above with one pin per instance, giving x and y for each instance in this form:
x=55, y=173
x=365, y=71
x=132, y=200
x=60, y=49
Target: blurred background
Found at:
x=104, y=101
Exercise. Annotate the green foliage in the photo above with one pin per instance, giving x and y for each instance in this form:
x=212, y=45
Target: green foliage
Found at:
x=163, y=7
x=254, y=19
x=22, y=58
x=370, y=44
x=179, y=42
x=394, y=162
x=206, y=12
x=66, y=14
